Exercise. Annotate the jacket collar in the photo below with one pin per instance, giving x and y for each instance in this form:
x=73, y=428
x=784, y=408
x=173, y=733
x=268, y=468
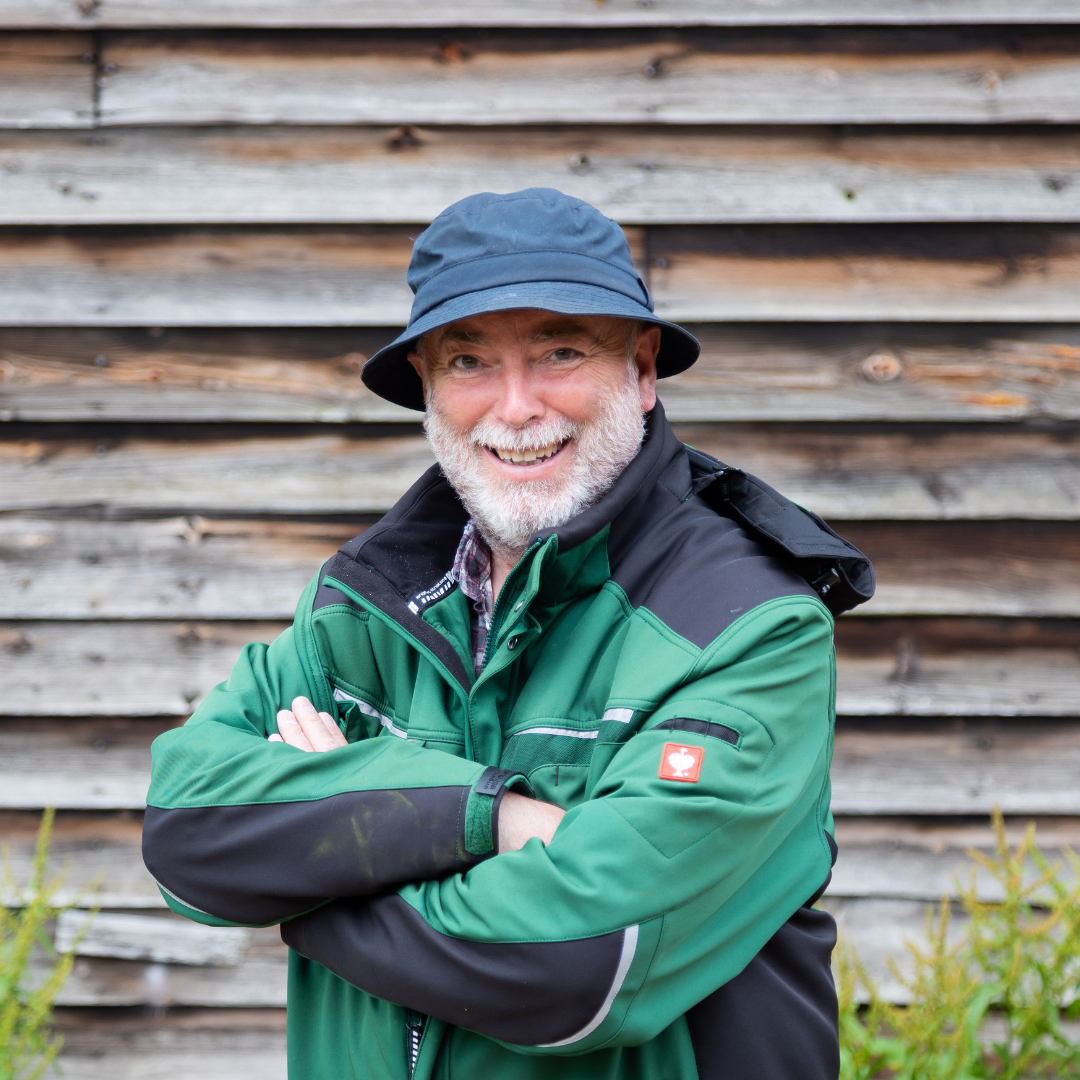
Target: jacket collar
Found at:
x=412, y=548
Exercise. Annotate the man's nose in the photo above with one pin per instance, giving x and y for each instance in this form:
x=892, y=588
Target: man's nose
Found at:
x=519, y=402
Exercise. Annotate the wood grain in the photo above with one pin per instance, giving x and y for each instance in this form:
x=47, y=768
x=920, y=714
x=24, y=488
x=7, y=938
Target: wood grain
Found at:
x=963, y=765
x=956, y=568
x=410, y=174
x=332, y=277
x=98, y=855
x=173, y=568
x=895, y=858
x=546, y=13
x=210, y=1044
x=111, y=669
x=199, y=568
x=803, y=372
x=312, y=277
x=46, y=81
x=796, y=274
x=257, y=981
x=913, y=473
x=686, y=77
x=926, y=859
x=143, y=937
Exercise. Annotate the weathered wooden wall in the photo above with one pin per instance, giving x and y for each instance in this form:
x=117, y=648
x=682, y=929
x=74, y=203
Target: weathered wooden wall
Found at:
x=870, y=213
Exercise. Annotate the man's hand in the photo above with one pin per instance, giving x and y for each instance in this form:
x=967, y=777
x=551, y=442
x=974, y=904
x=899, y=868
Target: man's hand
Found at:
x=307, y=729
x=521, y=819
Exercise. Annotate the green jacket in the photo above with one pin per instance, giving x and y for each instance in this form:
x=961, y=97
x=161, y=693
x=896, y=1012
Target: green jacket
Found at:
x=651, y=668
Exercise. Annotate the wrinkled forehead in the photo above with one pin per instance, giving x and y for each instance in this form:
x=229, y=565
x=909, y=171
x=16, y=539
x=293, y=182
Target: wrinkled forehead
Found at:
x=525, y=326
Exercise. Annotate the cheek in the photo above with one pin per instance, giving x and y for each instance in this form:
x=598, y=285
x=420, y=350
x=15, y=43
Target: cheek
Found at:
x=462, y=402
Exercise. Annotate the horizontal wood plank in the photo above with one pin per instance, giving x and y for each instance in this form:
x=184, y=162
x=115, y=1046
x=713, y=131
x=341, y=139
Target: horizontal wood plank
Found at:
x=46, y=81
x=805, y=372
x=257, y=981
x=913, y=859
x=117, y=669
x=183, y=1044
x=125, y=936
x=893, y=858
x=875, y=928
x=798, y=274
x=198, y=568
x=957, y=766
x=688, y=77
x=179, y=567
x=546, y=13
x=311, y=277
x=334, y=277
x=912, y=474
x=97, y=855
x=410, y=174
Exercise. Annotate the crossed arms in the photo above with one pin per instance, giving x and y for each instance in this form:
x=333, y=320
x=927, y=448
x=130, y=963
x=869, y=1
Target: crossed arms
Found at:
x=628, y=910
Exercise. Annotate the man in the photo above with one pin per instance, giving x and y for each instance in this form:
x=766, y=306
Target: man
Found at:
x=537, y=784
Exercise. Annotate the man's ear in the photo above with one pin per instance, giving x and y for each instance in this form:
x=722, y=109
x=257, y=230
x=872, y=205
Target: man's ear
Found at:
x=417, y=362
x=645, y=350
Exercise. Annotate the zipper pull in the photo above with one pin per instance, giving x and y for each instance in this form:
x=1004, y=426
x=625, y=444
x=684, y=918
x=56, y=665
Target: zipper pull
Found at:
x=414, y=1028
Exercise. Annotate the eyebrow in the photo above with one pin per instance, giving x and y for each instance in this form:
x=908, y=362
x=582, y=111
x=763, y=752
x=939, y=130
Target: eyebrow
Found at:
x=461, y=337
x=562, y=330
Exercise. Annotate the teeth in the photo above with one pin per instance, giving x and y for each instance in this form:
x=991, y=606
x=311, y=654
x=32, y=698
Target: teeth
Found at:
x=527, y=457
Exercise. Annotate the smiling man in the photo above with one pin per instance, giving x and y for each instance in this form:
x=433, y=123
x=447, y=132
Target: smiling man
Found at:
x=537, y=784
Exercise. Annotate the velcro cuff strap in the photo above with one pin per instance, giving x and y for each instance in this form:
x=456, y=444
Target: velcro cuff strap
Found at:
x=482, y=810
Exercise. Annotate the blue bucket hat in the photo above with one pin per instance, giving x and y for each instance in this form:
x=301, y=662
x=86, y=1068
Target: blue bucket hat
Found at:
x=536, y=248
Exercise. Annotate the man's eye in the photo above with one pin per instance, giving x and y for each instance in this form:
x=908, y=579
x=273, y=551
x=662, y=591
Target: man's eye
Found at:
x=467, y=363
x=564, y=354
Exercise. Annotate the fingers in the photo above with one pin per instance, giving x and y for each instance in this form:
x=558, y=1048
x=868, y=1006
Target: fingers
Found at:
x=319, y=728
x=290, y=731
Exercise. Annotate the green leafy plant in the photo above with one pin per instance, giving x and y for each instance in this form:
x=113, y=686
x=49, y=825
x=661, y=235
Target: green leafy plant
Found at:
x=28, y=1045
x=990, y=1004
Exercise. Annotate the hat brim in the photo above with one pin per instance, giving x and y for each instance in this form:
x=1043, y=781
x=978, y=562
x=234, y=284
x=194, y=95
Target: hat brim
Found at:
x=390, y=375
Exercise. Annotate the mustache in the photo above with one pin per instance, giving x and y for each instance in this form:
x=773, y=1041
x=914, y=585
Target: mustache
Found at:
x=534, y=436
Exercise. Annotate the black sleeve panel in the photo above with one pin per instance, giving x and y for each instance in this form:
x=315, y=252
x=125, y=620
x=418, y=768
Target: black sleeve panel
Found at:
x=778, y=1017
x=264, y=862
x=529, y=993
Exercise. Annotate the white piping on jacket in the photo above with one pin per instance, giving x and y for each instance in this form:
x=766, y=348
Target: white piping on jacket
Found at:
x=370, y=710
x=619, y=716
x=572, y=733
x=629, y=947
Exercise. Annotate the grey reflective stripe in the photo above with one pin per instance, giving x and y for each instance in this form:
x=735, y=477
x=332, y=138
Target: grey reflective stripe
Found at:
x=181, y=900
x=370, y=710
x=572, y=733
x=619, y=716
x=626, y=958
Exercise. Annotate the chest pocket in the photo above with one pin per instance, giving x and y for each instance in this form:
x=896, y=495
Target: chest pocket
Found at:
x=555, y=759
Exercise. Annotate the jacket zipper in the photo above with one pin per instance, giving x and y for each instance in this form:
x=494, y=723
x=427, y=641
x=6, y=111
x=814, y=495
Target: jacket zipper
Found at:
x=414, y=1026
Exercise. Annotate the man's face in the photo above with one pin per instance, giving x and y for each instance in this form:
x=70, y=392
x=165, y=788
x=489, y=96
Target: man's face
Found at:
x=532, y=414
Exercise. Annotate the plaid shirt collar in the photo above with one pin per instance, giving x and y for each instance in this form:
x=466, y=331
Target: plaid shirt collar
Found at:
x=472, y=570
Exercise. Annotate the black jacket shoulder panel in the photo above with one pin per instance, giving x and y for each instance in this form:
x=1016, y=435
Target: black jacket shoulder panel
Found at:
x=695, y=570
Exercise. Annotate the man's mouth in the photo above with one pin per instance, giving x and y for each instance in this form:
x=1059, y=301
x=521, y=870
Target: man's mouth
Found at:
x=528, y=457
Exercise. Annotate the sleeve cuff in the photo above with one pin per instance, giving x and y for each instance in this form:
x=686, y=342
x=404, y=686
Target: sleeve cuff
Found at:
x=482, y=809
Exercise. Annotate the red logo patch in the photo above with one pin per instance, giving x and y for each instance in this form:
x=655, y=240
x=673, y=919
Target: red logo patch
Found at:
x=680, y=762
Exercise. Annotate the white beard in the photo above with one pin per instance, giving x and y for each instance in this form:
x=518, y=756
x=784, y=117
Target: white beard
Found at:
x=507, y=512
